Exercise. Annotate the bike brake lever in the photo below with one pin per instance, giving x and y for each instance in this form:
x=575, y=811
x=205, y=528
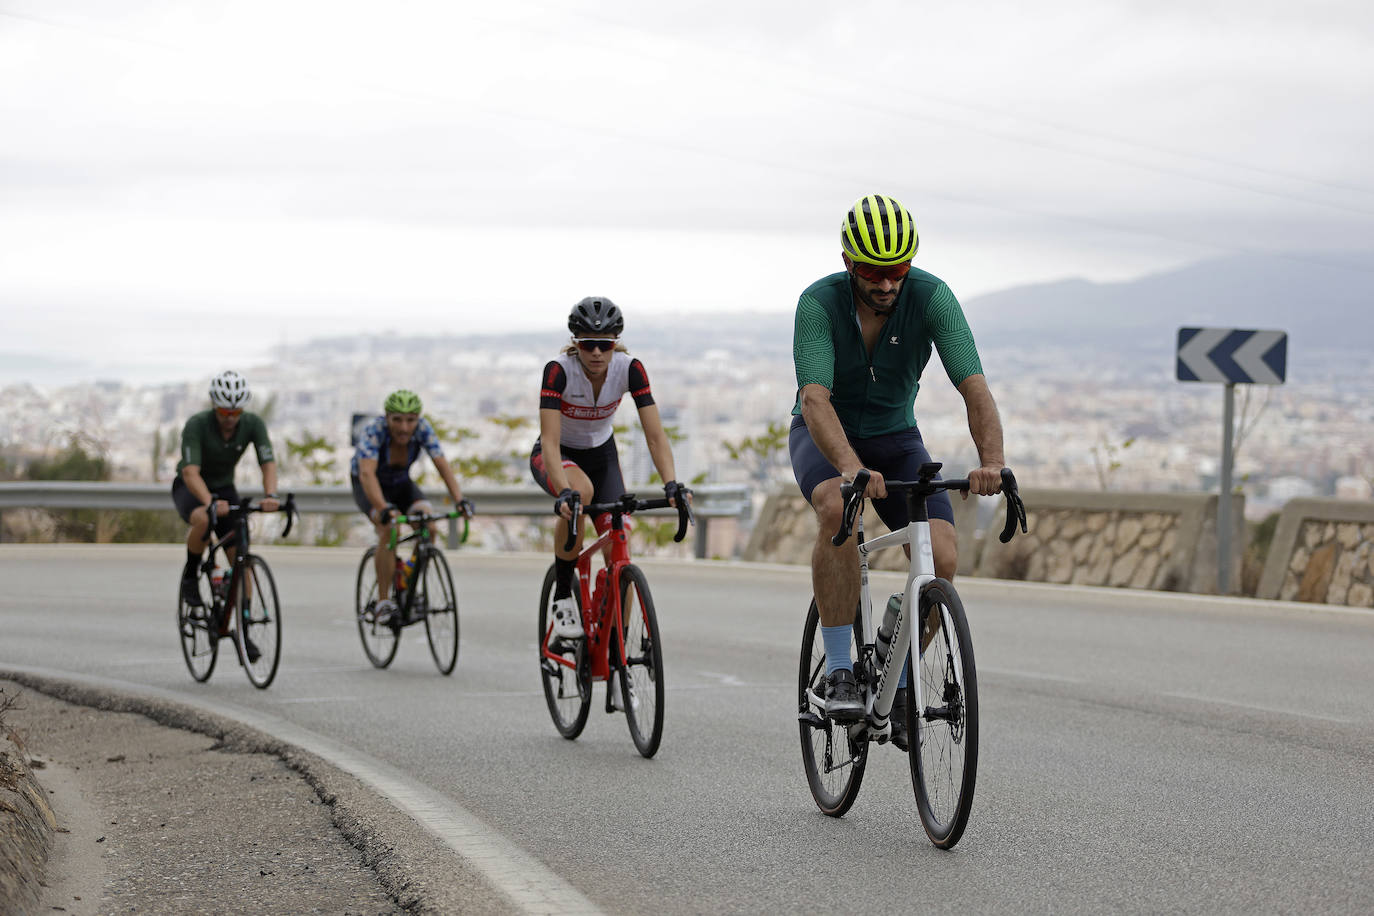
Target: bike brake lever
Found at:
x=684, y=515
x=1016, y=509
x=576, y=503
x=853, y=495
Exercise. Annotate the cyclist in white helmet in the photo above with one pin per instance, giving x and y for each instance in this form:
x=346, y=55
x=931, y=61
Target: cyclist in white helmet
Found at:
x=212, y=442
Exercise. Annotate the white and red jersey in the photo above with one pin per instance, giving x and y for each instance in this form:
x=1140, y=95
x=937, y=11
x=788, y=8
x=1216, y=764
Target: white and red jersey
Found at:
x=587, y=419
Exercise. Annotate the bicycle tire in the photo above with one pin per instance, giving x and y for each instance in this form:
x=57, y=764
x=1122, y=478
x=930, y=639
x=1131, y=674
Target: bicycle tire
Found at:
x=441, y=624
x=641, y=680
x=258, y=623
x=944, y=735
x=834, y=779
x=567, y=688
x=379, y=640
x=199, y=641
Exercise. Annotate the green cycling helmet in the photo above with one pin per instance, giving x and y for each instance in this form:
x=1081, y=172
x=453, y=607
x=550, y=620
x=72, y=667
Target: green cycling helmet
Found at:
x=402, y=401
x=878, y=230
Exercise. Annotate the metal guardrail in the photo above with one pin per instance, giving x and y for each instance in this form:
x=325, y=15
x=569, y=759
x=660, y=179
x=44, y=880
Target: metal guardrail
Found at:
x=709, y=500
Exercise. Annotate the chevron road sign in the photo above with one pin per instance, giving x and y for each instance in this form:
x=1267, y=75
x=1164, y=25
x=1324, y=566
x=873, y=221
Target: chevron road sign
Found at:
x=1232, y=355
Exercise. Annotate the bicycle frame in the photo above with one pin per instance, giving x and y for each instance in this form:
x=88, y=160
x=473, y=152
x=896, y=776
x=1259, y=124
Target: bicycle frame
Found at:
x=420, y=554
x=601, y=604
x=920, y=572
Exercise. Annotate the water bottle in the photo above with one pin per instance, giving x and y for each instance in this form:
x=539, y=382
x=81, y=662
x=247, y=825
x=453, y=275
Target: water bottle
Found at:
x=601, y=590
x=219, y=582
x=889, y=624
x=408, y=575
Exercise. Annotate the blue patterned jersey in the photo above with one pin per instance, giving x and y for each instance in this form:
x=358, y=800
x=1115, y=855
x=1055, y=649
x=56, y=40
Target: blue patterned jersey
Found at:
x=375, y=443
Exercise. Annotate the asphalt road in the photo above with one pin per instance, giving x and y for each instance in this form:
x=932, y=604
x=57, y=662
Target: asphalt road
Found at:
x=1140, y=752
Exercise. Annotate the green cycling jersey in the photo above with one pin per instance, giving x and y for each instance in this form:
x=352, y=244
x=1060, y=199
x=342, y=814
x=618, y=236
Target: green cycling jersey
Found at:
x=874, y=393
x=203, y=445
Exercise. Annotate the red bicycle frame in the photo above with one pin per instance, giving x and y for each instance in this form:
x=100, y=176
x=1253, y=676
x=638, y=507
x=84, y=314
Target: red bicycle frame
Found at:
x=601, y=612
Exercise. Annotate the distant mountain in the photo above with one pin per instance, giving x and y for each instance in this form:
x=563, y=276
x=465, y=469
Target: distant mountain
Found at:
x=1324, y=302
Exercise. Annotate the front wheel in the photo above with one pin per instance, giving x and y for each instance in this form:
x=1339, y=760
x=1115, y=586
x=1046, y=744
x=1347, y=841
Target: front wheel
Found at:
x=944, y=724
x=257, y=629
x=199, y=638
x=641, y=680
x=833, y=760
x=564, y=668
x=379, y=640
x=441, y=611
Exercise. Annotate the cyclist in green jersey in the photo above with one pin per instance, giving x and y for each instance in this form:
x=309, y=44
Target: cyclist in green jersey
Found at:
x=862, y=339
x=212, y=442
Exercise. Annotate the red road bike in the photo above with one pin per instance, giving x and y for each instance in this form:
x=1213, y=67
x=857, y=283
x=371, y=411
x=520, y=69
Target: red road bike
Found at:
x=622, y=644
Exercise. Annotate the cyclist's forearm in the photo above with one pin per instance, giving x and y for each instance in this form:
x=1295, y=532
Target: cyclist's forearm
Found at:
x=827, y=431
x=190, y=475
x=450, y=480
x=656, y=437
x=367, y=476
x=269, y=477
x=984, y=423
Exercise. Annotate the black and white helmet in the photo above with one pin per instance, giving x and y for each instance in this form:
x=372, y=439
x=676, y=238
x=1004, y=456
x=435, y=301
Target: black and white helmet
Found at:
x=596, y=315
x=229, y=389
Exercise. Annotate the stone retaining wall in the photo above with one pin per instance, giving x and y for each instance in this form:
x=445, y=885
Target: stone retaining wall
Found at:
x=1132, y=540
x=1323, y=551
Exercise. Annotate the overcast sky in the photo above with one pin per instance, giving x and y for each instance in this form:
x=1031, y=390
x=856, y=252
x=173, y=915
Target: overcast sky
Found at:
x=175, y=172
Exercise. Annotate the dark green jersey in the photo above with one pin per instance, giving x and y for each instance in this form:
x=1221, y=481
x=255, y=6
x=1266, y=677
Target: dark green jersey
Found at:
x=875, y=394
x=203, y=445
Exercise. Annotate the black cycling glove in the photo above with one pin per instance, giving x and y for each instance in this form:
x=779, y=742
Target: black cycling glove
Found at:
x=568, y=498
x=467, y=507
x=675, y=491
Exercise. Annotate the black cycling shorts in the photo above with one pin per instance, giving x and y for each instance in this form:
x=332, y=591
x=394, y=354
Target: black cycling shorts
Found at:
x=897, y=456
x=601, y=464
x=403, y=495
x=186, y=503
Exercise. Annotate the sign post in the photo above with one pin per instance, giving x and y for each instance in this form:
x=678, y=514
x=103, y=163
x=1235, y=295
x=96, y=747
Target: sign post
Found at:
x=1232, y=356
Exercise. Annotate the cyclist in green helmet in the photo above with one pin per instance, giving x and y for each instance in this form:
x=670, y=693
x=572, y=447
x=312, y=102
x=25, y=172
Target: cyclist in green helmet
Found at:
x=382, y=488
x=862, y=339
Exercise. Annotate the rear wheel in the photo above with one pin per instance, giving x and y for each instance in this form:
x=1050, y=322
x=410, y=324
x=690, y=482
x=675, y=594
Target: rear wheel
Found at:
x=641, y=680
x=944, y=730
x=833, y=760
x=379, y=640
x=199, y=641
x=257, y=625
x=441, y=611
x=564, y=669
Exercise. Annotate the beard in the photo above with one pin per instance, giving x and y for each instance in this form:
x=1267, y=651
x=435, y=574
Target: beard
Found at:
x=867, y=300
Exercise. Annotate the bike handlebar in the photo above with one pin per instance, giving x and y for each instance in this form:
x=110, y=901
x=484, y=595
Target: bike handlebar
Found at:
x=424, y=519
x=853, y=496
x=288, y=506
x=628, y=504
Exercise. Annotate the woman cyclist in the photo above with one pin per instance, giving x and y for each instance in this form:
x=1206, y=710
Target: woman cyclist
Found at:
x=576, y=450
x=382, y=487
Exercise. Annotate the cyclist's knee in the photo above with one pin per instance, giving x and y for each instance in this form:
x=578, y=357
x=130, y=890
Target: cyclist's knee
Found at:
x=945, y=548
x=829, y=505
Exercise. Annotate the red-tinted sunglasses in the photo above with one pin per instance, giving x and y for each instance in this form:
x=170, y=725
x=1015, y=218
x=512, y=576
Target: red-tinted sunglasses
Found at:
x=875, y=274
x=228, y=411
x=604, y=344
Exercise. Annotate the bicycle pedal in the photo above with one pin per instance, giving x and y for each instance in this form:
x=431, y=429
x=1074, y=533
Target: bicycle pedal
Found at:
x=811, y=719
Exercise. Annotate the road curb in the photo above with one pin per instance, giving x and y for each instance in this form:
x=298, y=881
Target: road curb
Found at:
x=416, y=877
x=26, y=828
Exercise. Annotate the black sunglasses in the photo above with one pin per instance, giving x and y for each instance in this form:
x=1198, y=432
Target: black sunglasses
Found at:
x=588, y=344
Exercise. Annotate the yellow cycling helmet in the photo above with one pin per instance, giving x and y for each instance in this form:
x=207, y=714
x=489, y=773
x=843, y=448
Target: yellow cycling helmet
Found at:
x=879, y=230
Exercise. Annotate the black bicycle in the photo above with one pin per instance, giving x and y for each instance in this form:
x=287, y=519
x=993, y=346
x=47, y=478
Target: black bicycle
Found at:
x=247, y=589
x=422, y=588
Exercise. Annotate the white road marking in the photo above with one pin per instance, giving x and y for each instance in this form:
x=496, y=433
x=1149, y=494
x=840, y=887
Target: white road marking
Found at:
x=1031, y=675
x=1257, y=707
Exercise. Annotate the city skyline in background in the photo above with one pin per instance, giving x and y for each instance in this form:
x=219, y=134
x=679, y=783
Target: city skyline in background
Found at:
x=189, y=185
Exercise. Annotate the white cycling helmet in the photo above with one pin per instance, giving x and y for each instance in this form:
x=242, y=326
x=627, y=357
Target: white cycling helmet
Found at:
x=229, y=389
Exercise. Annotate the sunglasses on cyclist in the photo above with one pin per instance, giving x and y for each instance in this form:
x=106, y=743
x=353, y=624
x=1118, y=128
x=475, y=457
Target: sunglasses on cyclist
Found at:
x=875, y=274
x=228, y=412
x=588, y=344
